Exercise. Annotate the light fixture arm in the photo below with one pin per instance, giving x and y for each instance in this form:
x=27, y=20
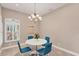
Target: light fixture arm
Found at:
x=34, y=8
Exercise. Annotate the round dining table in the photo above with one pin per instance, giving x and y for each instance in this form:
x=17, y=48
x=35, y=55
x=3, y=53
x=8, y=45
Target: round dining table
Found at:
x=36, y=42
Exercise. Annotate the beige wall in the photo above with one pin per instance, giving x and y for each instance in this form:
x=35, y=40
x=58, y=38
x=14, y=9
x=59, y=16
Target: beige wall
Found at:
x=6, y=13
x=24, y=23
x=63, y=26
x=1, y=32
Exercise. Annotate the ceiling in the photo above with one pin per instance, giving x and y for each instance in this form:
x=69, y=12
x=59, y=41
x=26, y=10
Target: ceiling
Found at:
x=28, y=8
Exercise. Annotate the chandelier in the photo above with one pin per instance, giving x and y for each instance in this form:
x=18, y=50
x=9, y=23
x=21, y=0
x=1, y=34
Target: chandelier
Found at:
x=35, y=16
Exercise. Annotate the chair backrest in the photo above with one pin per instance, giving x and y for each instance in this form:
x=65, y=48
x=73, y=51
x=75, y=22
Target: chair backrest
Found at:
x=30, y=37
x=19, y=45
x=48, y=39
x=48, y=48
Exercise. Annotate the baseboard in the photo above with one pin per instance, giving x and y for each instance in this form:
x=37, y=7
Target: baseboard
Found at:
x=66, y=50
x=60, y=48
x=10, y=47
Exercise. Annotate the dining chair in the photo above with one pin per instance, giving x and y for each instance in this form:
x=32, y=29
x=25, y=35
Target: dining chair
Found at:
x=30, y=37
x=46, y=50
x=24, y=49
x=47, y=39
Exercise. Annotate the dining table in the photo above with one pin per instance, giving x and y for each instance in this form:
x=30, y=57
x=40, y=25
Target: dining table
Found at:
x=36, y=42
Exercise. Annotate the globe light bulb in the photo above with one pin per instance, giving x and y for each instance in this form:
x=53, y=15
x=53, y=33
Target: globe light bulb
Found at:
x=29, y=17
x=37, y=15
x=33, y=16
x=40, y=18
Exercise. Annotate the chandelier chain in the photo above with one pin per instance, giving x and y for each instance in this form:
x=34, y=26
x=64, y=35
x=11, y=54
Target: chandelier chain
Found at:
x=34, y=7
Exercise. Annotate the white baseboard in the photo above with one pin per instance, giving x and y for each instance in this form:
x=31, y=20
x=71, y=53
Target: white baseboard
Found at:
x=67, y=51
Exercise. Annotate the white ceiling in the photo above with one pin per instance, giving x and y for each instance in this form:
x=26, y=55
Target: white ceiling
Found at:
x=41, y=8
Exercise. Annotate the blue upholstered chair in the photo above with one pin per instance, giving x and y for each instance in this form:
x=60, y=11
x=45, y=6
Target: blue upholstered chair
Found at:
x=46, y=50
x=47, y=39
x=30, y=37
x=23, y=50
